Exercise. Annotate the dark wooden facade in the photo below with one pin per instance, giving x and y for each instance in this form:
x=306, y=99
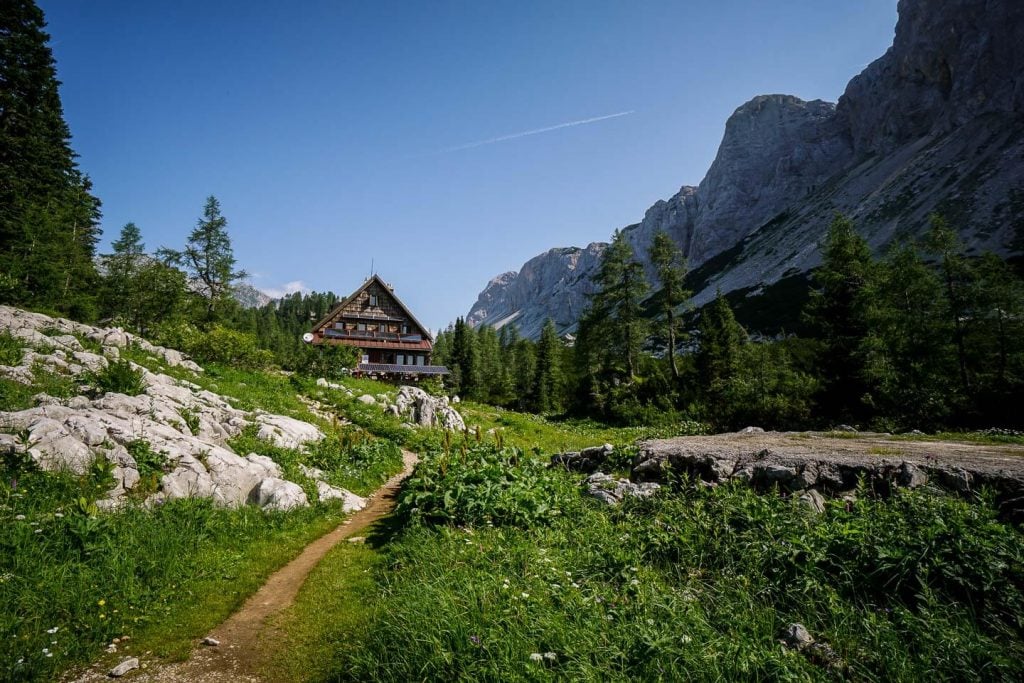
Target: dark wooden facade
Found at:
x=374, y=320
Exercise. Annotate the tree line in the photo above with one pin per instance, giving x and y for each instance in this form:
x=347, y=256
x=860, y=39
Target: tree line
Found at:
x=925, y=336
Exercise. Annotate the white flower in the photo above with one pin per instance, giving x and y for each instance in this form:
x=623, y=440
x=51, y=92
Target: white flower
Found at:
x=634, y=582
x=45, y=650
x=685, y=639
x=19, y=517
x=550, y=656
x=53, y=630
x=525, y=595
x=536, y=657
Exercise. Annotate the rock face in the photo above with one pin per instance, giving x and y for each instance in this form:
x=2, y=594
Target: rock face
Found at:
x=183, y=427
x=556, y=283
x=935, y=124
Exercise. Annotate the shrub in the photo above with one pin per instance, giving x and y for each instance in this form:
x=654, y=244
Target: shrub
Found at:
x=121, y=377
x=221, y=345
x=485, y=484
x=10, y=349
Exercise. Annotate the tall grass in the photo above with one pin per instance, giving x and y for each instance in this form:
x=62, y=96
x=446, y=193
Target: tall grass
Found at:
x=695, y=584
x=71, y=578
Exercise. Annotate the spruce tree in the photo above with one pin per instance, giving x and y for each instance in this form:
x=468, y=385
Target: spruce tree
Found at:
x=837, y=312
x=670, y=267
x=48, y=216
x=718, y=357
x=548, y=383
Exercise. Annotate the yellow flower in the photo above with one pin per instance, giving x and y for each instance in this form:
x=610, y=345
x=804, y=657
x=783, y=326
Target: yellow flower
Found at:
x=101, y=603
x=103, y=616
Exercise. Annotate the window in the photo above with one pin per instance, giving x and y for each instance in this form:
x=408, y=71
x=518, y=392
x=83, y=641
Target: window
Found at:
x=373, y=299
x=361, y=327
x=419, y=360
x=405, y=329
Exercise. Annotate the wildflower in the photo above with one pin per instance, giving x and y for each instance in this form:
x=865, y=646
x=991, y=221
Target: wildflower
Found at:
x=550, y=656
x=536, y=657
x=45, y=650
x=101, y=602
x=53, y=630
x=103, y=616
x=525, y=595
x=19, y=517
x=685, y=639
x=634, y=582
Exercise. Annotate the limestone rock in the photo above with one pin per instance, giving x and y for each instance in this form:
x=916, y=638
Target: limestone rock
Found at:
x=287, y=432
x=278, y=494
x=612, y=491
x=124, y=667
x=350, y=501
x=426, y=410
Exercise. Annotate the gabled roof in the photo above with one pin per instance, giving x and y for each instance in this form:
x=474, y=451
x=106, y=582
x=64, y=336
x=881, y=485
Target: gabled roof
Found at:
x=333, y=315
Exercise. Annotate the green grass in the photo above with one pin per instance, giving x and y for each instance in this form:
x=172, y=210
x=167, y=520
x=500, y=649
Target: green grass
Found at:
x=162, y=576
x=335, y=602
x=349, y=458
x=527, y=431
x=694, y=584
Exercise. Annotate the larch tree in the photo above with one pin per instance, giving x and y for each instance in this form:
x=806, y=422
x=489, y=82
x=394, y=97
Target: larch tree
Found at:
x=670, y=267
x=209, y=261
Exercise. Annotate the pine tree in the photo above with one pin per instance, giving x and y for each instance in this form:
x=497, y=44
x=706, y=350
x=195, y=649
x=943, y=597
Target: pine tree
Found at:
x=837, y=312
x=49, y=220
x=671, y=271
x=210, y=261
x=465, y=361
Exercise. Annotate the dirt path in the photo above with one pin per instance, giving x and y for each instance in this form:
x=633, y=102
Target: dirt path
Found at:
x=244, y=636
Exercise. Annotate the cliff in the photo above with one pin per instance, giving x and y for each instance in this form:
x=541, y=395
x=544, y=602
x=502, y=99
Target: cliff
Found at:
x=935, y=124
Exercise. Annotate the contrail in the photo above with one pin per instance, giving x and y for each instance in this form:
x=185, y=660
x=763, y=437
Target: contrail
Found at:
x=523, y=134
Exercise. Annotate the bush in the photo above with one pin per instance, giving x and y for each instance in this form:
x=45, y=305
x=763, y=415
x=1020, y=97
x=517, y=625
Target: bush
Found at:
x=217, y=345
x=120, y=377
x=330, y=361
x=485, y=484
x=10, y=349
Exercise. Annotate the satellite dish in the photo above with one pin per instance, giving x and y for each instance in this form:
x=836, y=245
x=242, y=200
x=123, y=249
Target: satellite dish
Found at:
x=308, y=337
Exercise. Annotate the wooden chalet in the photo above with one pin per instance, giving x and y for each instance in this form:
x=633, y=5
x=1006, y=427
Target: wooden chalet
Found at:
x=393, y=343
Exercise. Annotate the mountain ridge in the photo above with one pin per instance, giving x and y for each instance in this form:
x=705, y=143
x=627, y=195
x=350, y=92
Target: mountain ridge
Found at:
x=934, y=124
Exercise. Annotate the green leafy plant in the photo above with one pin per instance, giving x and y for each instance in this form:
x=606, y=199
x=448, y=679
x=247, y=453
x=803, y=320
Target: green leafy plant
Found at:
x=11, y=350
x=121, y=377
x=481, y=483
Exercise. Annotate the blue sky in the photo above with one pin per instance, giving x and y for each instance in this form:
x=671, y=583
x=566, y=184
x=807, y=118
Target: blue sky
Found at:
x=336, y=132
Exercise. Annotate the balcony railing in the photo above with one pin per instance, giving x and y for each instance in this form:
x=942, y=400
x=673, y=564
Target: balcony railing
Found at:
x=372, y=334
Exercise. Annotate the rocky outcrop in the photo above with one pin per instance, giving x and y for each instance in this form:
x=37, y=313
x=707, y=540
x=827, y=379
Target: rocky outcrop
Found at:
x=425, y=410
x=811, y=464
x=935, y=124
x=555, y=284
x=182, y=427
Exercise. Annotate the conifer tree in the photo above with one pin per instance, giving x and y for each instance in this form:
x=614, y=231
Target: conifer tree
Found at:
x=210, y=261
x=621, y=286
x=837, y=312
x=48, y=216
x=718, y=357
x=548, y=383
x=671, y=271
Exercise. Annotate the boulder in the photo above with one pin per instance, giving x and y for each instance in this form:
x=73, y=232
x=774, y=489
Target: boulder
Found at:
x=612, y=491
x=287, y=432
x=273, y=493
x=350, y=502
x=588, y=460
